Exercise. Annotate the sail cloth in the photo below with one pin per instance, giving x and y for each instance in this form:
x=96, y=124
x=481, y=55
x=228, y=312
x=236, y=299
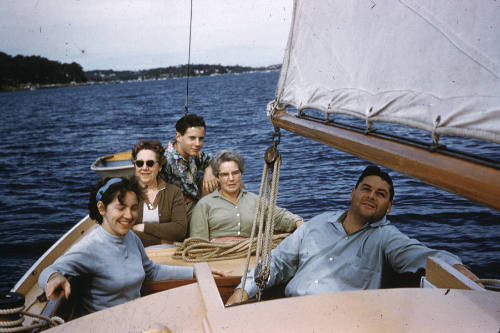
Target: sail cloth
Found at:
x=433, y=65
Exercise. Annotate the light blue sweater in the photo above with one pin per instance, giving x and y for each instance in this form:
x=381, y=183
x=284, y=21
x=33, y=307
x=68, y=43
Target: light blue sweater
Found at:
x=112, y=267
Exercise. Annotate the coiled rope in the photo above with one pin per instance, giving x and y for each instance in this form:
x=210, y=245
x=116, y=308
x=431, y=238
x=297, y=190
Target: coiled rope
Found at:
x=199, y=250
x=13, y=325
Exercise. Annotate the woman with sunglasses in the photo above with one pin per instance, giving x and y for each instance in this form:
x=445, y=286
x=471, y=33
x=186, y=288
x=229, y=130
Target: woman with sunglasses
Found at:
x=161, y=210
x=110, y=261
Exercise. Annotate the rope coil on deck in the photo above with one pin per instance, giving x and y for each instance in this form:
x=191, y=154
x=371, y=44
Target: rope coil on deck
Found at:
x=14, y=325
x=200, y=250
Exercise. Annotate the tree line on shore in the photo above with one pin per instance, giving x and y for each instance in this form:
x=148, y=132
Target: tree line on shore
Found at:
x=29, y=72
x=21, y=71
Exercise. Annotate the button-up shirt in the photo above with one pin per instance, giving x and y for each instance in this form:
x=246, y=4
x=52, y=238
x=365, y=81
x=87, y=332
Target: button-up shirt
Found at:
x=319, y=257
x=216, y=216
x=185, y=173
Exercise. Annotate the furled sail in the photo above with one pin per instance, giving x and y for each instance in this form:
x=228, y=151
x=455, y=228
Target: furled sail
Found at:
x=433, y=65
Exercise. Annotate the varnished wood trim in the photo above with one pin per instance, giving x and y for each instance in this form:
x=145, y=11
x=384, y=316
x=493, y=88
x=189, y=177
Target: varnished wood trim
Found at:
x=468, y=179
x=225, y=285
x=442, y=275
x=30, y=278
x=122, y=156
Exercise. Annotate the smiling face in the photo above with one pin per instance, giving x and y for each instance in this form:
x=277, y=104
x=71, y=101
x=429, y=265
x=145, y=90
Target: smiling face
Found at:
x=229, y=179
x=371, y=199
x=119, y=217
x=191, y=142
x=146, y=174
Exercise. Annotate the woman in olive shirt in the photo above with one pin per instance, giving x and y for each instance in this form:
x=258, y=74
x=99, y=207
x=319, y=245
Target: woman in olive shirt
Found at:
x=228, y=213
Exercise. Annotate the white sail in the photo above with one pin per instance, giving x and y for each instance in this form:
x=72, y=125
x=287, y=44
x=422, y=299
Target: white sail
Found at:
x=433, y=65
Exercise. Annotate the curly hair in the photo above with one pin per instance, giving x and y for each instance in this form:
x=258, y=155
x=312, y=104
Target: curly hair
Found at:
x=118, y=188
x=153, y=145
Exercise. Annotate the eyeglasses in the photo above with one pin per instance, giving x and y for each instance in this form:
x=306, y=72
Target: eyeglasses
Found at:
x=140, y=163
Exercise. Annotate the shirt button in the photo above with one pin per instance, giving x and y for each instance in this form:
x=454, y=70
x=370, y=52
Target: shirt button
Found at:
x=331, y=259
x=238, y=214
x=316, y=281
x=346, y=237
x=239, y=223
x=238, y=233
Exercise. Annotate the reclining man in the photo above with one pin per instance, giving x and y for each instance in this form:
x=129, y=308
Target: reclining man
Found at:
x=338, y=251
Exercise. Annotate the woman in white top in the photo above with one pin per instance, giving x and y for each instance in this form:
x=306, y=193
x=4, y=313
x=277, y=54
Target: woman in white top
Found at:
x=161, y=210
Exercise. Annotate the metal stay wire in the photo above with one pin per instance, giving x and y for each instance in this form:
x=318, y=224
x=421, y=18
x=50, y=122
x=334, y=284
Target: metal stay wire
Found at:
x=186, y=106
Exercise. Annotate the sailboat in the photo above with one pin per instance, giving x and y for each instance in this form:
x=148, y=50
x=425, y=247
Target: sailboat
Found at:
x=426, y=65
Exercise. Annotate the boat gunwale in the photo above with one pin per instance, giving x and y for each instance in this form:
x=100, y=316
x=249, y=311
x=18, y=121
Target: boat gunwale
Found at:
x=122, y=156
x=76, y=232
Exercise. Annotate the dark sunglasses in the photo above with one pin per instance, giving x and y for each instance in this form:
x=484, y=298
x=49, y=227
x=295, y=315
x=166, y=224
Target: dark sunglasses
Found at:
x=140, y=163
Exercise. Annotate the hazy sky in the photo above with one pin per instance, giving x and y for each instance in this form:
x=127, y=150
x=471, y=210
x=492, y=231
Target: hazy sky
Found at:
x=142, y=34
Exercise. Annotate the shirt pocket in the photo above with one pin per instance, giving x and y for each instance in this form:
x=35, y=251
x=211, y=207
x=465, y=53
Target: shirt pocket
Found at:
x=362, y=271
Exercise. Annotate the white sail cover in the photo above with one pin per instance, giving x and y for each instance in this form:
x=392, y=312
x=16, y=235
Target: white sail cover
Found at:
x=429, y=64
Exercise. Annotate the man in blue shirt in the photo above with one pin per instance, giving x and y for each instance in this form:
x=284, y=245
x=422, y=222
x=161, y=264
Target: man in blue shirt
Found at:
x=339, y=251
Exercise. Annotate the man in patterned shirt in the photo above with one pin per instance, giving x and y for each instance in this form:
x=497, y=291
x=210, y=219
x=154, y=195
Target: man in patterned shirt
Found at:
x=187, y=164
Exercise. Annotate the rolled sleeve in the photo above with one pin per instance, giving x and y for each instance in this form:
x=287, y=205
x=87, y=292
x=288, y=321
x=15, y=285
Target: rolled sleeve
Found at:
x=285, y=220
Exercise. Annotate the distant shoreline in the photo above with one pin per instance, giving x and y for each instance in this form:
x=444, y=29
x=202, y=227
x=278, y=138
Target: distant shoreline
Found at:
x=116, y=77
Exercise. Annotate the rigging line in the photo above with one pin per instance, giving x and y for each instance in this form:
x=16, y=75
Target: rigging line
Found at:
x=186, y=106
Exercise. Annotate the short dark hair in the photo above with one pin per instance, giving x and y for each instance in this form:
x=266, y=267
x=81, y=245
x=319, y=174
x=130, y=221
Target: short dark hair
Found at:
x=120, y=187
x=153, y=145
x=373, y=170
x=190, y=120
x=227, y=156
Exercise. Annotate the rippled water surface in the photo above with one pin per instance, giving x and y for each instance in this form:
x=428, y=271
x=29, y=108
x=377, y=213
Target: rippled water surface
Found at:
x=49, y=138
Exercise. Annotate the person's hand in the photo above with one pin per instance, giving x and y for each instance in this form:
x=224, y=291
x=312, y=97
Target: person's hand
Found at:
x=210, y=182
x=56, y=281
x=138, y=227
x=299, y=223
x=215, y=273
x=236, y=297
x=218, y=273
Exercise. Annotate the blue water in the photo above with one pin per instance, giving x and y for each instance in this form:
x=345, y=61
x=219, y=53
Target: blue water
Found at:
x=49, y=138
